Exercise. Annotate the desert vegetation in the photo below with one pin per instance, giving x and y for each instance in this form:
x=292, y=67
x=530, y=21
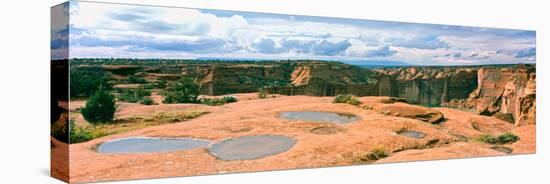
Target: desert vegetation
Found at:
x=160, y=84
x=133, y=79
x=85, y=133
x=78, y=134
x=372, y=155
x=100, y=107
x=218, y=101
x=85, y=82
x=504, y=138
x=349, y=99
x=140, y=95
x=185, y=90
x=262, y=93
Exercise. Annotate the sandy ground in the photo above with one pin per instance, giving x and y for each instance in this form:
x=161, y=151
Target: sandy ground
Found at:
x=253, y=116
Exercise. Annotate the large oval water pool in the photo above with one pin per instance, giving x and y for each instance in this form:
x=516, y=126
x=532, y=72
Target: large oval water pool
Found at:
x=251, y=147
x=150, y=145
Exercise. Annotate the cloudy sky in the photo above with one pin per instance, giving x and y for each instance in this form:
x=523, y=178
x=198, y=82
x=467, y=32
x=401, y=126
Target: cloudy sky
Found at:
x=129, y=31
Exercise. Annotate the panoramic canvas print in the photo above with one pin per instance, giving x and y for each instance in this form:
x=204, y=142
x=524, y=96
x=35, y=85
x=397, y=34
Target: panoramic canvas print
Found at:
x=147, y=92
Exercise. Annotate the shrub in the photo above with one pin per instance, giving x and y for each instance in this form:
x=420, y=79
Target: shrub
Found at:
x=377, y=153
x=229, y=99
x=218, y=101
x=161, y=84
x=212, y=101
x=486, y=138
x=373, y=155
x=78, y=135
x=148, y=86
x=100, y=107
x=349, y=99
x=501, y=139
x=262, y=93
x=184, y=90
x=147, y=101
x=134, y=95
x=507, y=138
x=132, y=79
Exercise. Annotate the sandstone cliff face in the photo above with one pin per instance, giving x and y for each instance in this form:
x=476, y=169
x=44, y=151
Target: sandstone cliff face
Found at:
x=327, y=79
x=220, y=80
x=506, y=92
x=430, y=86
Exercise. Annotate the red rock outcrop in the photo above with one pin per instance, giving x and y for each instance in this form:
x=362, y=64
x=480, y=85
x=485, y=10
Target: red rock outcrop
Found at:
x=411, y=111
x=506, y=91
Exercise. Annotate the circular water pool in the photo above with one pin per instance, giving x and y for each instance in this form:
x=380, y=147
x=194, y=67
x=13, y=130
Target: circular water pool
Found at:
x=322, y=117
x=150, y=145
x=251, y=147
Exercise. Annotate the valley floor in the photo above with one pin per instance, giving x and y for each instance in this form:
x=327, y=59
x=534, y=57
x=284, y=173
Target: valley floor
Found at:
x=452, y=138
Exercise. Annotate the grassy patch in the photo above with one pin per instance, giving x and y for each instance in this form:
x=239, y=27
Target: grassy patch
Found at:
x=78, y=135
x=349, y=99
x=504, y=138
x=83, y=134
x=172, y=117
x=372, y=155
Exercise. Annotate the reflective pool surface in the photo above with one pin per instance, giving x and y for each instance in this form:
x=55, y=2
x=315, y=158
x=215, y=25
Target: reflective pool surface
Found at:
x=251, y=147
x=322, y=117
x=150, y=145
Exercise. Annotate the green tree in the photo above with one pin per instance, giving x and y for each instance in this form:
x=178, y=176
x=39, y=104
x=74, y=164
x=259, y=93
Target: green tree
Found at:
x=184, y=90
x=100, y=107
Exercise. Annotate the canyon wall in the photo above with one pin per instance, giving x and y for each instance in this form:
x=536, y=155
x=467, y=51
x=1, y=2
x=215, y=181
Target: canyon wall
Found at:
x=327, y=79
x=220, y=80
x=431, y=86
x=507, y=92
